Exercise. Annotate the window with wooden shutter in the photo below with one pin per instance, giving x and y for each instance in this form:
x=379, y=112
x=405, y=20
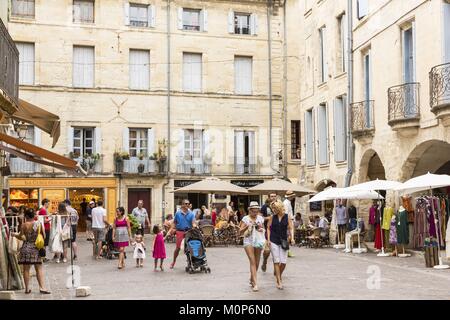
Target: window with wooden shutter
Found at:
x=243, y=75
x=191, y=19
x=340, y=129
x=83, y=11
x=323, y=55
x=362, y=8
x=309, y=129
x=192, y=72
x=83, y=142
x=23, y=8
x=322, y=128
x=295, y=140
x=139, y=15
x=446, y=12
x=139, y=69
x=242, y=23
x=26, y=63
x=83, y=67
x=138, y=143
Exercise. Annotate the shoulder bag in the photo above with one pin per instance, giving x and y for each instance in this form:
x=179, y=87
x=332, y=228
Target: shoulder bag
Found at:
x=39, y=243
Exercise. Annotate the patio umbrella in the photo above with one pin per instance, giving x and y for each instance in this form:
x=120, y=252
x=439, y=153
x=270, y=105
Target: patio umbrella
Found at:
x=280, y=186
x=345, y=193
x=212, y=185
x=428, y=182
x=378, y=185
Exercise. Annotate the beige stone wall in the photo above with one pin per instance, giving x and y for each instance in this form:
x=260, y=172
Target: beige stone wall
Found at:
x=216, y=108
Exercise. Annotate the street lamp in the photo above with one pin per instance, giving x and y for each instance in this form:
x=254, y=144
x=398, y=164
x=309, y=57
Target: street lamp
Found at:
x=21, y=129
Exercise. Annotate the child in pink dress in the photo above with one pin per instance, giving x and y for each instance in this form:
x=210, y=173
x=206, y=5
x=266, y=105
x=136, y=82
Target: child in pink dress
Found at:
x=159, y=248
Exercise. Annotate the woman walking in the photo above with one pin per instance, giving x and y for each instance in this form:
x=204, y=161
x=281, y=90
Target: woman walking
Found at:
x=253, y=244
x=29, y=254
x=279, y=234
x=121, y=234
x=65, y=222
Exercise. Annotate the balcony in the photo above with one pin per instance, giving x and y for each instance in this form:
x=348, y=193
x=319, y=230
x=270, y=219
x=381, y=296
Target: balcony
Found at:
x=187, y=167
x=136, y=166
x=9, y=72
x=21, y=166
x=404, y=107
x=247, y=165
x=440, y=92
x=91, y=165
x=362, y=119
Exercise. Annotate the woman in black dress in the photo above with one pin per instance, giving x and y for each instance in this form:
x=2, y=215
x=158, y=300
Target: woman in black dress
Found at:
x=29, y=254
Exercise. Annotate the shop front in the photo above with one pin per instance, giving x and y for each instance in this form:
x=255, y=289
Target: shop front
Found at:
x=243, y=201
x=31, y=191
x=196, y=199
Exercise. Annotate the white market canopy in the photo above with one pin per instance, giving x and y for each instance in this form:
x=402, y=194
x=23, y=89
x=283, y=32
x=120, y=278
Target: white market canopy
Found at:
x=345, y=193
x=212, y=185
x=375, y=185
x=427, y=181
x=279, y=185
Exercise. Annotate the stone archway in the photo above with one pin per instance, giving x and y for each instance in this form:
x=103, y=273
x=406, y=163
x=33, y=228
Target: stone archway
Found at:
x=371, y=167
x=323, y=184
x=430, y=156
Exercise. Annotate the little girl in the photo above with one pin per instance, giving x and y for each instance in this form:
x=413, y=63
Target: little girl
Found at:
x=139, y=250
x=159, y=249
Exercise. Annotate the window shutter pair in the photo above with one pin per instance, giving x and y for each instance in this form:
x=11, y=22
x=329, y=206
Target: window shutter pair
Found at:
x=150, y=141
x=203, y=19
x=151, y=15
x=253, y=23
x=340, y=129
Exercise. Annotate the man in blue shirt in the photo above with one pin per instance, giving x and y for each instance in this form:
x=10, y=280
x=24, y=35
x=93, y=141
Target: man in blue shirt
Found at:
x=183, y=221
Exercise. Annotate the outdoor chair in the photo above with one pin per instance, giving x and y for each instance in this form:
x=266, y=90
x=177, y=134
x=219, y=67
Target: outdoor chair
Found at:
x=208, y=234
x=171, y=238
x=314, y=240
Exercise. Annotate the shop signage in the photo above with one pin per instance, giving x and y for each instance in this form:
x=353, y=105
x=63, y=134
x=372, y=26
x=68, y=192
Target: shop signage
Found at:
x=62, y=183
x=315, y=206
x=246, y=183
x=183, y=183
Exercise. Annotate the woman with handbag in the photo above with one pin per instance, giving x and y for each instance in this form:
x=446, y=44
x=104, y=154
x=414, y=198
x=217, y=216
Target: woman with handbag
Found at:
x=33, y=235
x=279, y=234
x=252, y=226
x=66, y=235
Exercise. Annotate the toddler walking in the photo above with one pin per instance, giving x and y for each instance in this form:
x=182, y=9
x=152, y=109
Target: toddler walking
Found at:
x=159, y=248
x=139, y=250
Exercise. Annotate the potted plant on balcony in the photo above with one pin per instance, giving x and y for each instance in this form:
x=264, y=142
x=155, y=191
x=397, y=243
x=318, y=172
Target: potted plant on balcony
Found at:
x=119, y=157
x=161, y=157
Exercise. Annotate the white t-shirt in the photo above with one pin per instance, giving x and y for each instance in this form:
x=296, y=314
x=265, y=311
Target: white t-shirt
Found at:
x=288, y=208
x=249, y=222
x=98, y=213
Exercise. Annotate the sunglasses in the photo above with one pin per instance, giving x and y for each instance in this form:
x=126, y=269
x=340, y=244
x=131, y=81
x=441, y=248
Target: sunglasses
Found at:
x=186, y=203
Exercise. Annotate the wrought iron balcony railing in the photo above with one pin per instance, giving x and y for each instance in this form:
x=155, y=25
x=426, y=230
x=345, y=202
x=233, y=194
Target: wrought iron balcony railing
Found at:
x=403, y=102
x=187, y=167
x=9, y=68
x=137, y=166
x=245, y=165
x=440, y=87
x=362, y=117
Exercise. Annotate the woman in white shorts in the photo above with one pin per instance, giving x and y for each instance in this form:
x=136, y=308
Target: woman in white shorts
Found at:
x=279, y=234
x=253, y=222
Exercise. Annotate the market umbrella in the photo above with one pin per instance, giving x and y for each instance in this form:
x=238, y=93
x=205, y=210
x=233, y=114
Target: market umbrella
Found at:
x=345, y=193
x=428, y=182
x=212, y=185
x=278, y=186
x=378, y=185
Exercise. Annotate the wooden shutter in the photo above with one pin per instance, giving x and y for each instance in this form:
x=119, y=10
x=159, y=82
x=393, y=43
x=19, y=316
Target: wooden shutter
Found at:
x=363, y=8
x=139, y=69
x=151, y=142
x=126, y=13
x=239, y=151
x=251, y=147
x=345, y=42
x=196, y=72
x=254, y=24
x=322, y=127
x=446, y=21
x=151, y=16
x=98, y=140
x=36, y=136
x=126, y=140
x=187, y=72
x=69, y=138
x=340, y=130
x=26, y=63
x=310, y=157
x=231, y=21
x=180, y=18
x=181, y=144
x=206, y=143
x=204, y=20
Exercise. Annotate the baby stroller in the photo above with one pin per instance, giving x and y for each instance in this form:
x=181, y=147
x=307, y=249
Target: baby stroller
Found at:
x=109, y=251
x=195, y=251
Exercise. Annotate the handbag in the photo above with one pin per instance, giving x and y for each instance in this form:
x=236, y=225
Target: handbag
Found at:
x=39, y=243
x=42, y=253
x=65, y=235
x=259, y=240
x=284, y=244
x=57, y=246
x=14, y=244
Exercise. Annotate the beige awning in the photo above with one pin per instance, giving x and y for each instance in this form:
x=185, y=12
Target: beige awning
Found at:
x=39, y=117
x=280, y=186
x=32, y=153
x=212, y=185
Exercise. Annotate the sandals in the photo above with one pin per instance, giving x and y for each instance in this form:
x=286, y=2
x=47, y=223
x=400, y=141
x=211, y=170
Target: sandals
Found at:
x=44, y=291
x=255, y=288
x=28, y=291
x=172, y=265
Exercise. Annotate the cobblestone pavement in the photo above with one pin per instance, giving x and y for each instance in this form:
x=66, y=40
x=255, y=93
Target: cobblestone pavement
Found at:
x=311, y=274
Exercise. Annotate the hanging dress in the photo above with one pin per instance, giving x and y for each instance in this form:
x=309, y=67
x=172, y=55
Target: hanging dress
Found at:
x=402, y=228
x=393, y=231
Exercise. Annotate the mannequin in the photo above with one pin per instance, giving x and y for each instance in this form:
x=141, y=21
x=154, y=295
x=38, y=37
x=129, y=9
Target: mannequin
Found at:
x=388, y=212
x=393, y=234
x=402, y=231
x=342, y=220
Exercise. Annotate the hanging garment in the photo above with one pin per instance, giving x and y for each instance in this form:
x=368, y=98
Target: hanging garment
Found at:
x=402, y=227
x=378, y=243
x=421, y=230
x=387, y=216
x=333, y=228
x=57, y=244
x=3, y=257
x=10, y=274
x=373, y=214
x=341, y=215
x=431, y=217
x=407, y=204
x=393, y=231
x=447, y=242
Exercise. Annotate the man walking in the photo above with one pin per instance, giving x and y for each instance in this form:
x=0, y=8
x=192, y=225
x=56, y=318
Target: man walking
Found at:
x=74, y=224
x=142, y=217
x=99, y=222
x=266, y=213
x=183, y=221
x=288, y=197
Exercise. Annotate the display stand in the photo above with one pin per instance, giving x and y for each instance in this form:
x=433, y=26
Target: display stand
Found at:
x=338, y=245
x=404, y=254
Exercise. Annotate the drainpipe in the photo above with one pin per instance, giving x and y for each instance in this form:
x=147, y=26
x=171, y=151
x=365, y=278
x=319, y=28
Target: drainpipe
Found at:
x=285, y=148
x=269, y=48
x=168, y=116
x=350, y=144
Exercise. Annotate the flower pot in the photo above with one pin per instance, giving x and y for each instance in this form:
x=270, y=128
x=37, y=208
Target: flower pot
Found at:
x=141, y=168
